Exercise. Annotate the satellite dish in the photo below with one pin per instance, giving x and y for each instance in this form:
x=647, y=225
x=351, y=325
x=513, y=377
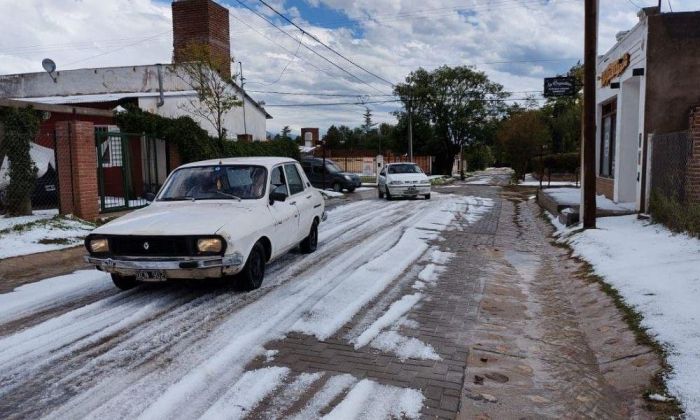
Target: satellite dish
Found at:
x=48, y=65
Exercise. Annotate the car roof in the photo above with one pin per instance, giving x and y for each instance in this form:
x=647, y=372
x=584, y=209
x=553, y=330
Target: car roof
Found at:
x=400, y=163
x=266, y=161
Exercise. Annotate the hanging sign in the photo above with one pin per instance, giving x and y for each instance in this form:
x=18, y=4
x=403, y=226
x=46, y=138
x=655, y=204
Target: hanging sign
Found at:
x=614, y=69
x=559, y=86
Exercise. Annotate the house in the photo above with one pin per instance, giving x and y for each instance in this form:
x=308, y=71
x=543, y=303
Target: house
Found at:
x=155, y=88
x=646, y=86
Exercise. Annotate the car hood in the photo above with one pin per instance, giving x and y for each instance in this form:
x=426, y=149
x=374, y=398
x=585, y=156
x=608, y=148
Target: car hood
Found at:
x=179, y=218
x=350, y=174
x=408, y=177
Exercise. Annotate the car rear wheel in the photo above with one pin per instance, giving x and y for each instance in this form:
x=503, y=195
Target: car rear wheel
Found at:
x=310, y=243
x=254, y=270
x=124, y=282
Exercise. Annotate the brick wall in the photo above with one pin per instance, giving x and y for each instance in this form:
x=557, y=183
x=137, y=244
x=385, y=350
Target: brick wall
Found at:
x=202, y=22
x=605, y=186
x=315, y=137
x=693, y=171
x=77, y=169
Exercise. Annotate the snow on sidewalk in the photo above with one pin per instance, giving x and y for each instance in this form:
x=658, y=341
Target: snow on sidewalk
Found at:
x=658, y=273
x=43, y=231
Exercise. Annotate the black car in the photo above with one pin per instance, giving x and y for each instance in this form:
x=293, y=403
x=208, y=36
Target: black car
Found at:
x=330, y=176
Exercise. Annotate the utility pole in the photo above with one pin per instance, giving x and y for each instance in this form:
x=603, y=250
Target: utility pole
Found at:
x=245, y=129
x=410, y=129
x=588, y=211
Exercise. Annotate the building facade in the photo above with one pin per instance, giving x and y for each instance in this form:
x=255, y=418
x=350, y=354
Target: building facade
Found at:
x=646, y=85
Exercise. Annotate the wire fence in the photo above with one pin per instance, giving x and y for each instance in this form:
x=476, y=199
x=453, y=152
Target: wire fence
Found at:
x=669, y=165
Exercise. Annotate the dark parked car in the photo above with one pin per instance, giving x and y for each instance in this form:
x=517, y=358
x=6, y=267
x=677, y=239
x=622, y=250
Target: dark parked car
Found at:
x=330, y=176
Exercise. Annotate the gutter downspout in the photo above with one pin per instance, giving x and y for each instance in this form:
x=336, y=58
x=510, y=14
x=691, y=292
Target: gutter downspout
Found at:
x=161, y=98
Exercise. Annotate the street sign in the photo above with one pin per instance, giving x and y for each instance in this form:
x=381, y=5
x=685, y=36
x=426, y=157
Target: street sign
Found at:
x=559, y=86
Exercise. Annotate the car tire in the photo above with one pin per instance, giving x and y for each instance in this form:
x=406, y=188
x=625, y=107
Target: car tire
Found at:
x=124, y=282
x=351, y=189
x=388, y=194
x=427, y=196
x=251, y=277
x=310, y=243
x=380, y=192
x=337, y=187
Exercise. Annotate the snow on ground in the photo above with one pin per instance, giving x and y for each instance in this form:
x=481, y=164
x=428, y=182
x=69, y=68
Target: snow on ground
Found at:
x=10, y=222
x=330, y=391
x=393, y=314
x=404, y=347
x=573, y=196
x=247, y=393
x=531, y=181
x=331, y=194
x=658, y=273
x=34, y=297
x=365, y=189
x=98, y=350
x=39, y=233
x=370, y=400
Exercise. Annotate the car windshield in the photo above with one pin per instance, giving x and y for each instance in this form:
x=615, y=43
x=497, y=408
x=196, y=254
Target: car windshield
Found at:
x=404, y=168
x=332, y=167
x=220, y=182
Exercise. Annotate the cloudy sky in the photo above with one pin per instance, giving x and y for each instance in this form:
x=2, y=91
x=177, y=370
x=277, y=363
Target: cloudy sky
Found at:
x=517, y=42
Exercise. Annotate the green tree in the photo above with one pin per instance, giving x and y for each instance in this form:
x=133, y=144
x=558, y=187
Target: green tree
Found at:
x=563, y=115
x=368, y=125
x=459, y=103
x=19, y=129
x=521, y=138
x=285, y=132
x=215, y=96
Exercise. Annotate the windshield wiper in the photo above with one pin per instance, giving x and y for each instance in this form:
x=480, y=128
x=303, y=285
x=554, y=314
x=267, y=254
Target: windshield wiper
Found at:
x=235, y=197
x=182, y=198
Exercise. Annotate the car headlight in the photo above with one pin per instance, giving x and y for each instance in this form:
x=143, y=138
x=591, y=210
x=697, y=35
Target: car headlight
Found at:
x=98, y=246
x=213, y=245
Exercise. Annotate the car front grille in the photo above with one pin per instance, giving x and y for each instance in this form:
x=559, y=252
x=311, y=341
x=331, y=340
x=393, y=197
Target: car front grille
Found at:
x=152, y=246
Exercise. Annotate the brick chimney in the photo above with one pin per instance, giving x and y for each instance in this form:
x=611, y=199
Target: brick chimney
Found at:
x=202, y=22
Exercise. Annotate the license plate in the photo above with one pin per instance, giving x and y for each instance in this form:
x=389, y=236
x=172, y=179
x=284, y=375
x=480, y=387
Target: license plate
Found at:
x=412, y=189
x=150, y=275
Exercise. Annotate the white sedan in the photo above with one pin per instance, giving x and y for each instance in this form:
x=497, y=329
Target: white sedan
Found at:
x=403, y=179
x=213, y=219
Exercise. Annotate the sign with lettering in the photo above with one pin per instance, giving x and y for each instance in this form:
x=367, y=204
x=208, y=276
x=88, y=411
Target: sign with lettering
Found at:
x=559, y=86
x=614, y=69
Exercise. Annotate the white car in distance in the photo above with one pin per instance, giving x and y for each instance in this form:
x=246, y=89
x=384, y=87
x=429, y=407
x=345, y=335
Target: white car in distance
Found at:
x=404, y=179
x=212, y=219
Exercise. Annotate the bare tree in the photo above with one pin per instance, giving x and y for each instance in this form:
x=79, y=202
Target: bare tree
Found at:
x=200, y=70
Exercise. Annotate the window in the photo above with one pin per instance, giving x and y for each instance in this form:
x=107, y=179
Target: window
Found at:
x=404, y=168
x=246, y=182
x=607, y=140
x=277, y=182
x=296, y=185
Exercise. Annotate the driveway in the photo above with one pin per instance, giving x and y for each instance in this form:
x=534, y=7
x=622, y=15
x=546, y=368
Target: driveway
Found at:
x=455, y=306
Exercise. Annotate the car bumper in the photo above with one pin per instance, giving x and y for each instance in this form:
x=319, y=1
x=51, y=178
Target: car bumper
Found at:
x=408, y=191
x=171, y=268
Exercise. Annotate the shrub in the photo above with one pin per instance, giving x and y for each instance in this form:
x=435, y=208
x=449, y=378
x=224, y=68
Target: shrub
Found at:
x=193, y=142
x=677, y=215
x=479, y=158
x=20, y=129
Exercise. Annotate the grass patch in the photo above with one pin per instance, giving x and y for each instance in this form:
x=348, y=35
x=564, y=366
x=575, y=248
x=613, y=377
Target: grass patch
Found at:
x=56, y=241
x=679, y=216
x=633, y=318
x=57, y=222
x=442, y=181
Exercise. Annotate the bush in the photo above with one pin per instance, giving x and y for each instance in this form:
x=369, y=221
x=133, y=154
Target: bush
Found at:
x=193, y=142
x=20, y=129
x=677, y=215
x=479, y=158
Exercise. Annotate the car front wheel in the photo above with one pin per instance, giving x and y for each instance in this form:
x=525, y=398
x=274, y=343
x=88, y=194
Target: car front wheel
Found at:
x=254, y=270
x=380, y=192
x=427, y=196
x=124, y=282
x=337, y=187
x=310, y=243
x=388, y=194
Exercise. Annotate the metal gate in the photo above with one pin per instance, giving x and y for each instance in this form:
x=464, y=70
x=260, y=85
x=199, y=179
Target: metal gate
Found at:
x=128, y=167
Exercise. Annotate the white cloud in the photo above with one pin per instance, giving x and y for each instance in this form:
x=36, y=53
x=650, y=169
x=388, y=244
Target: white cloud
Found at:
x=389, y=37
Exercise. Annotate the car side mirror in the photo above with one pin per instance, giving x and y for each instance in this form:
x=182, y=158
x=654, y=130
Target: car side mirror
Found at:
x=278, y=194
x=150, y=197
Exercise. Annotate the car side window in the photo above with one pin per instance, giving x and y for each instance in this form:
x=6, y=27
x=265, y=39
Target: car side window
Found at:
x=383, y=172
x=296, y=185
x=277, y=180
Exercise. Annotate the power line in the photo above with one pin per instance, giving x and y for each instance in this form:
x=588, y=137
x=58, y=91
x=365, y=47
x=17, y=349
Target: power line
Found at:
x=324, y=44
x=351, y=95
x=116, y=50
x=306, y=46
x=296, y=53
x=388, y=101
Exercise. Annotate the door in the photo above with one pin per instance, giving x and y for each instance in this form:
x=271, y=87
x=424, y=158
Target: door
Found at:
x=301, y=197
x=284, y=213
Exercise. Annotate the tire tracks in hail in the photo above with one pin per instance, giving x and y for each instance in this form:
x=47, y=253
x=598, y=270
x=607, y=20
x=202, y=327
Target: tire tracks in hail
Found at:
x=176, y=318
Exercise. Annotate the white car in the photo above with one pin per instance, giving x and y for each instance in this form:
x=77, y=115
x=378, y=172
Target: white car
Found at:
x=213, y=219
x=403, y=179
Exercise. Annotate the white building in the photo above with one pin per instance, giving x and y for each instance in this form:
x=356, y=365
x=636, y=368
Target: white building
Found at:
x=646, y=86
x=154, y=88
